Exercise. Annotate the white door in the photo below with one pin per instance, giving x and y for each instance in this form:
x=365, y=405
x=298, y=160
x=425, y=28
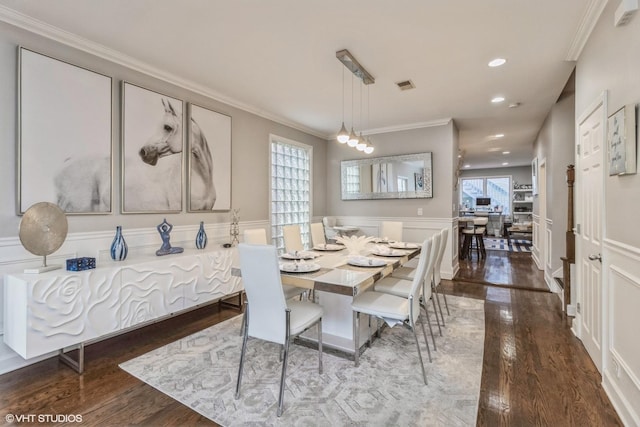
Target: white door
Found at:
x=590, y=211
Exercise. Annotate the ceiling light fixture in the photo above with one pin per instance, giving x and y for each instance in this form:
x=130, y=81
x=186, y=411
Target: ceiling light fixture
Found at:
x=343, y=134
x=506, y=152
x=497, y=62
x=369, y=148
x=360, y=143
x=497, y=99
x=499, y=135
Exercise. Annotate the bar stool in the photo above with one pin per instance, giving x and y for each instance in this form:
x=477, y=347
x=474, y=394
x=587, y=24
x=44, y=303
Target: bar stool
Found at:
x=476, y=233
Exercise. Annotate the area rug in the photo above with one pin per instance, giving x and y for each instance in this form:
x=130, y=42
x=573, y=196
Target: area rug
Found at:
x=517, y=245
x=200, y=371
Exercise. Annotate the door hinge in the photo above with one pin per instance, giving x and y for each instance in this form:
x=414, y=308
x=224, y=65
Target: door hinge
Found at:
x=578, y=307
x=578, y=148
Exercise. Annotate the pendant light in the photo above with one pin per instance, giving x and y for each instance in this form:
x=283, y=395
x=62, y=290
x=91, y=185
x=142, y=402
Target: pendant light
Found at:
x=362, y=142
x=353, y=138
x=369, y=149
x=343, y=134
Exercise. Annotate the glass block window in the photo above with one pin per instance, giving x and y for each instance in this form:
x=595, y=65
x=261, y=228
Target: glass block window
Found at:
x=290, y=188
x=351, y=178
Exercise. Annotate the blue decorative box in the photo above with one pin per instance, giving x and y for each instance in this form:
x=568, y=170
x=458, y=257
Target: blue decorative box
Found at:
x=79, y=264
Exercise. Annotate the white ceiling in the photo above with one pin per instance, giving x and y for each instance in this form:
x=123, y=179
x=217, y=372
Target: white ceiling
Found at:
x=277, y=58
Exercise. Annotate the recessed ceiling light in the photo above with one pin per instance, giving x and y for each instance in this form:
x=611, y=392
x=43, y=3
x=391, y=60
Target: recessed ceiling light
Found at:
x=499, y=135
x=497, y=62
x=497, y=99
x=467, y=166
x=506, y=152
x=505, y=163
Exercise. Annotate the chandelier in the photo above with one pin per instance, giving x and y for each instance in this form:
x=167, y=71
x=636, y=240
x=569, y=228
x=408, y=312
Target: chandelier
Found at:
x=352, y=139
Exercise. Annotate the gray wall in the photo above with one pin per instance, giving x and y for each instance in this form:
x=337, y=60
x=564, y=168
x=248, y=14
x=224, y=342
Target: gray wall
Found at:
x=555, y=145
x=611, y=61
x=250, y=143
x=519, y=174
x=441, y=141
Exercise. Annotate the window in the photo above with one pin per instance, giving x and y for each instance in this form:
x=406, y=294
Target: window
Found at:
x=290, y=188
x=498, y=189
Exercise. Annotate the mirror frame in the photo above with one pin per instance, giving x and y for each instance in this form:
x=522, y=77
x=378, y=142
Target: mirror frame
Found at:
x=427, y=178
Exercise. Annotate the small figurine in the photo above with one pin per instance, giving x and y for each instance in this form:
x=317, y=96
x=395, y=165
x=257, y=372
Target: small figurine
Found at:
x=164, y=228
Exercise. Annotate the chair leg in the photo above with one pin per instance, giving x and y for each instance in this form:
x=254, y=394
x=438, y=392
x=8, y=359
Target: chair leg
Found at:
x=426, y=341
x=426, y=312
x=356, y=343
x=435, y=310
x=444, y=296
x=320, y=367
x=435, y=292
x=244, y=348
x=369, y=333
x=415, y=336
x=284, y=365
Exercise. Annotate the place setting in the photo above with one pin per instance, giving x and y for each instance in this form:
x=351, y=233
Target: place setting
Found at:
x=363, y=261
x=299, y=267
x=299, y=255
x=328, y=247
x=388, y=251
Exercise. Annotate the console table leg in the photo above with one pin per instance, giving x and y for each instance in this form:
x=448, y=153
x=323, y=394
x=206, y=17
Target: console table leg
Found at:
x=76, y=365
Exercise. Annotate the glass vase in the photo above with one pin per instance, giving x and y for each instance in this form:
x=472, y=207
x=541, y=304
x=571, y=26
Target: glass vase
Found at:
x=201, y=237
x=119, y=248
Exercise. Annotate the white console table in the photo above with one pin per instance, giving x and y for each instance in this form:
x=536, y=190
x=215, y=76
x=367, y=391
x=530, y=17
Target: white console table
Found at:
x=60, y=309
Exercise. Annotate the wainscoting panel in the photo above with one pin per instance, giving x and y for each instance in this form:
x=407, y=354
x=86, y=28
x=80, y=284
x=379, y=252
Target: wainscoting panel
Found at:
x=621, y=363
x=535, y=241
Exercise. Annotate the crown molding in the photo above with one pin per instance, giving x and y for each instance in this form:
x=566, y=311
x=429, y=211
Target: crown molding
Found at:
x=586, y=26
x=25, y=22
x=408, y=126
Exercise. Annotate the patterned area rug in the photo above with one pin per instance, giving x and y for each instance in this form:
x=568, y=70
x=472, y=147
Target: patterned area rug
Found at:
x=517, y=245
x=200, y=371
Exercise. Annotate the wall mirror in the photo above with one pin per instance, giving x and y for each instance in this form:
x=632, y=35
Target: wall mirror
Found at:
x=408, y=176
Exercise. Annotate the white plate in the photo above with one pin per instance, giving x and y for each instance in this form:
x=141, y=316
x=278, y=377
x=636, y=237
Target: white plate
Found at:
x=299, y=267
x=328, y=247
x=298, y=255
x=403, y=245
x=390, y=252
x=366, y=262
x=381, y=240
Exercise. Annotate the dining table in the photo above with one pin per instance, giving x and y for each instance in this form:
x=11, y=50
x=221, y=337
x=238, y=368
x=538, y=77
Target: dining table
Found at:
x=336, y=277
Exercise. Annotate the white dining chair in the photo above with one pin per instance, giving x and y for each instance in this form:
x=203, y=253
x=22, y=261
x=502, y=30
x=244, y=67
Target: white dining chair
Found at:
x=437, y=278
x=391, y=230
x=394, y=309
x=256, y=236
x=396, y=285
x=317, y=234
x=330, y=232
x=292, y=238
x=268, y=316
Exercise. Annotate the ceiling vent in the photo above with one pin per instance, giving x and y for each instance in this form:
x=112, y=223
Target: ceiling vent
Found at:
x=405, y=85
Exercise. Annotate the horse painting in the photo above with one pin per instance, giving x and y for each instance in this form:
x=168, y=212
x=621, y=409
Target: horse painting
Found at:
x=152, y=179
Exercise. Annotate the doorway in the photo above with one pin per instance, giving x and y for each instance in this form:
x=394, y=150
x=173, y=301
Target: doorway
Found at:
x=589, y=233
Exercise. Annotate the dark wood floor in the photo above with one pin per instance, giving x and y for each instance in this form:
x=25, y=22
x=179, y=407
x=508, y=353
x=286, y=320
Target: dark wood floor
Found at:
x=535, y=372
x=504, y=269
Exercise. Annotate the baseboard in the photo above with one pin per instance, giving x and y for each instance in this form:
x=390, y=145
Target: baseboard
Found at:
x=622, y=406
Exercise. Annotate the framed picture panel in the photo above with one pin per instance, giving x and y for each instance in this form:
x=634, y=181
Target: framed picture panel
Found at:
x=622, y=140
x=65, y=139
x=209, y=161
x=152, y=146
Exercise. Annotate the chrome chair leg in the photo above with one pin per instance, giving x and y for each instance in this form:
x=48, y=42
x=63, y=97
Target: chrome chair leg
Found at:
x=369, y=333
x=426, y=341
x=426, y=312
x=320, y=367
x=244, y=349
x=436, y=313
x=435, y=291
x=356, y=341
x=415, y=336
x=284, y=364
x=445, y=303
